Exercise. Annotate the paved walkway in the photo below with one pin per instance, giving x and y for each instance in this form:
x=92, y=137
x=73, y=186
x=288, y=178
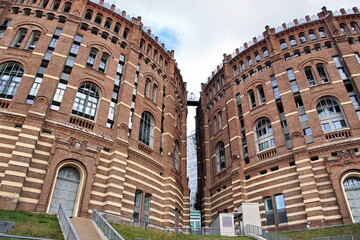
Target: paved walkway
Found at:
x=86, y=229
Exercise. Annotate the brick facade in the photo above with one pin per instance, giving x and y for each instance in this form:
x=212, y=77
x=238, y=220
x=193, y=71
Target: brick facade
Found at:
x=42, y=129
x=262, y=104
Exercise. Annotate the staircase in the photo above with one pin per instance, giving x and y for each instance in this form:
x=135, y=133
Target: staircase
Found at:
x=86, y=229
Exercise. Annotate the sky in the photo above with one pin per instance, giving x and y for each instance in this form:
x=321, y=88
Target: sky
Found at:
x=201, y=31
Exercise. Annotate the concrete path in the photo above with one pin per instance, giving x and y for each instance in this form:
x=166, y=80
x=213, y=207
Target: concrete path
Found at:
x=86, y=229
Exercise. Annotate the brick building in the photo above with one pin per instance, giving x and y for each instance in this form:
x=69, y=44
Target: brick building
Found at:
x=92, y=113
x=278, y=125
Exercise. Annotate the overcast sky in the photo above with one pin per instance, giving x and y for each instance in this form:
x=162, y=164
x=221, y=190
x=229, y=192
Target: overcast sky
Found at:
x=200, y=31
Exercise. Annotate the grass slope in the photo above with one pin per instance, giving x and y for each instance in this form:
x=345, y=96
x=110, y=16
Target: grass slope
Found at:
x=32, y=224
x=351, y=229
x=130, y=233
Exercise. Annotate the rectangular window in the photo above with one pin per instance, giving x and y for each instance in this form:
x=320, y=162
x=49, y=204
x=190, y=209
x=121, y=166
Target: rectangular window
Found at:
x=303, y=117
x=307, y=131
x=269, y=211
x=4, y=26
x=357, y=55
x=281, y=209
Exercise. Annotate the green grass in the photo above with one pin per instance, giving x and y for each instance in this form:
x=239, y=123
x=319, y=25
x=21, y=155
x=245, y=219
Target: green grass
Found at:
x=32, y=224
x=351, y=229
x=130, y=233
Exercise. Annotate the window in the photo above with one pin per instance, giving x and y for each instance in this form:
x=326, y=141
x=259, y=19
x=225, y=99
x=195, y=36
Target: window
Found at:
x=117, y=28
x=328, y=44
x=44, y=3
x=86, y=101
x=103, y=62
x=98, y=19
x=126, y=33
x=149, y=49
x=147, y=207
x=10, y=77
x=310, y=76
x=283, y=45
x=215, y=124
x=108, y=23
x=322, y=73
x=242, y=66
x=137, y=204
x=146, y=133
x=220, y=120
x=252, y=99
x=264, y=134
x=235, y=71
x=357, y=55
x=92, y=57
x=249, y=61
x=330, y=114
x=340, y=67
x=4, y=26
x=344, y=29
x=147, y=88
x=303, y=117
x=34, y=38
x=302, y=38
x=307, y=50
x=307, y=131
x=277, y=215
x=322, y=33
x=287, y=56
x=220, y=156
x=19, y=37
x=312, y=35
x=67, y=7
x=261, y=94
x=265, y=52
x=292, y=41
x=176, y=155
x=56, y=5
x=88, y=15
x=257, y=57
x=354, y=27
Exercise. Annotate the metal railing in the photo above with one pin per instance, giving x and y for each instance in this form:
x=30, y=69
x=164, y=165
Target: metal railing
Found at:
x=259, y=231
x=119, y=219
x=105, y=227
x=14, y=237
x=66, y=226
x=335, y=238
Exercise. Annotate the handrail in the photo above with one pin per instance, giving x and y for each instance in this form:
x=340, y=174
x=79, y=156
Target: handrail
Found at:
x=105, y=227
x=14, y=237
x=259, y=231
x=66, y=226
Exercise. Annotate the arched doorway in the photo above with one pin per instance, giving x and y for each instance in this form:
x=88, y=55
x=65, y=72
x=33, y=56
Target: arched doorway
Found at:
x=352, y=191
x=65, y=191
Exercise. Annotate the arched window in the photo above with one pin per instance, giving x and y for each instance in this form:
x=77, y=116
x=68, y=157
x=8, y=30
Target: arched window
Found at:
x=176, y=155
x=283, y=45
x=108, y=23
x=220, y=120
x=56, y=5
x=242, y=66
x=265, y=52
x=19, y=37
x=235, y=71
x=98, y=19
x=302, y=38
x=147, y=88
x=146, y=132
x=312, y=35
x=249, y=61
x=352, y=190
x=252, y=99
x=67, y=7
x=88, y=15
x=322, y=32
x=257, y=57
x=220, y=156
x=149, y=49
x=354, y=27
x=292, y=41
x=86, y=101
x=344, y=29
x=34, y=38
x=155, y=55
x=10, y=77
x=322, y=73
x=161, y=61
x=32, y=2
x=142, y=44
x=103, y=62
x=44, y=3
x=330, y=114
x=117, y=28
x=310, y=76
x=215, y=124
x=92, y=57
x=264, y=136
x=154, y=93
x=126, y=33
x=261, y=94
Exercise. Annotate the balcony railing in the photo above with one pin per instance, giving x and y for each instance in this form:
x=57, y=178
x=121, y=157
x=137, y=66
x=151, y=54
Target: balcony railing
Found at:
x=338, y=135
x=81, y=122
x=145, y=149
x=4, y=104
x=267, y=154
